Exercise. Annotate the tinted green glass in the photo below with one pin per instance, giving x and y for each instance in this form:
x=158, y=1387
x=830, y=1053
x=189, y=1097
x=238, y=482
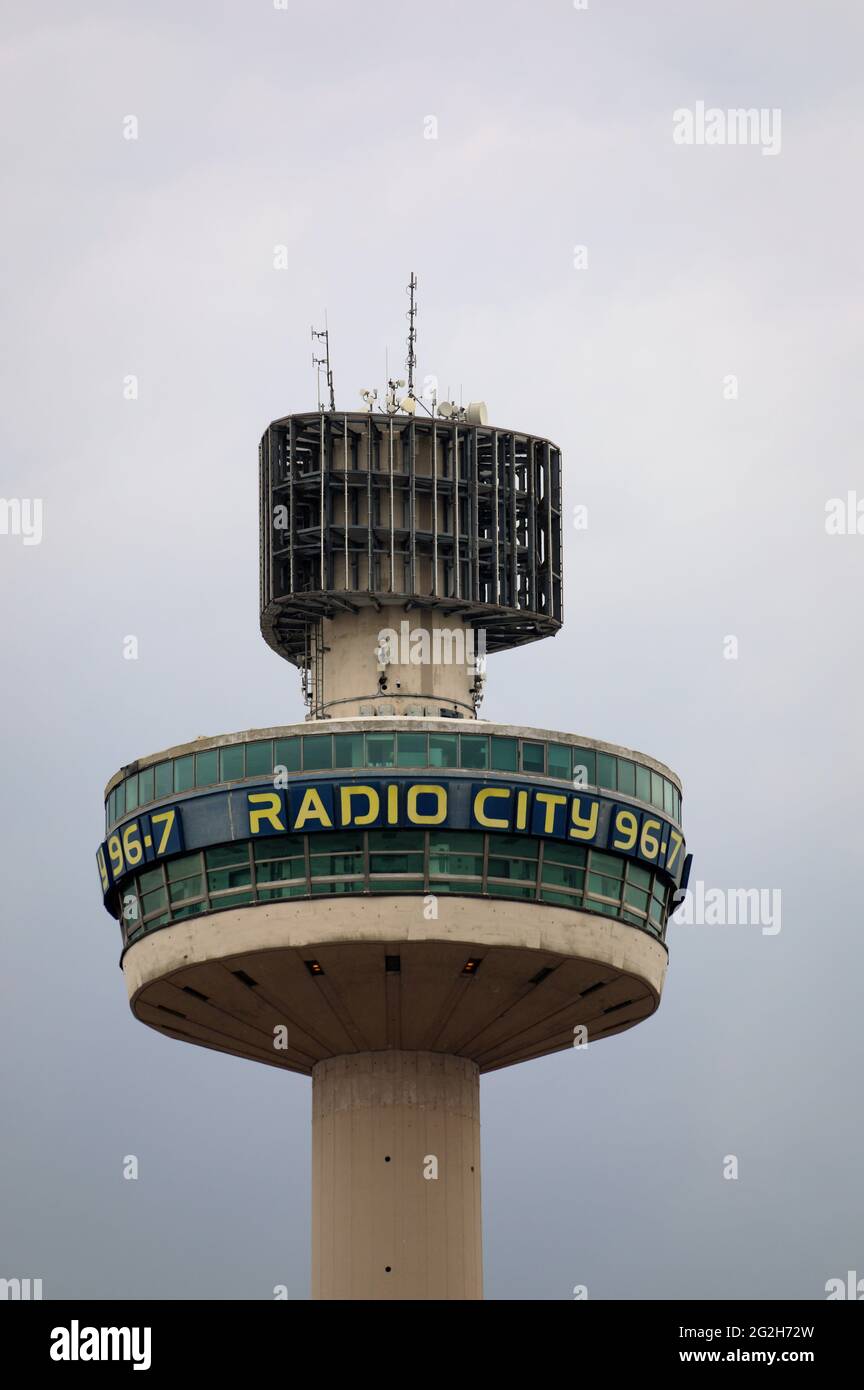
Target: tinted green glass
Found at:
x=440, y=841
x=607, y=909
x=643, y=783
x=322, y=886
x=668, y=803
x=186, y=909
x=513, y=868
x=186, y=888
x=145, y=786
x=656, y=790
x=347, y=750
x=395, y=839
x=317, y=752
x=626, y=776
x=278, y=869
x=474, y=750
x=563, y=874
x=182, y=868
x=232, y=763
x=636, y=897
x=443, y=750
x=222, y=855
x=219, y=879
x=606, y=771
x=411, y=750
x=396, y=885
x=150, y=880
x=609, y=887
x=159, y=921
x=322, y=865
x=380, y=751
x=259, y=758
x=396, y=863
x=607, y=864
x=505, y=754
x=232, y=900
x=533, y=757
x=636, y=874
x=554, y=853
x=285, y=890
x=342, y=842
x=164, y=778
x=447, y=864
x=676, y=802
x=207, y=768
x=510, y=890
x=558, y=765
x=547, y=895
x=587, y=759
x=278, y=846
x=519, y=846
x=184, y=773
x=155, y=901
x=287, y=754
x=461, y=886
x=131, y=793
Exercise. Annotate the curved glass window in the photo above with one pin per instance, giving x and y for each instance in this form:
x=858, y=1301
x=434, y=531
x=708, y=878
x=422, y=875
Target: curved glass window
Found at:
x=410, y=749
x=393, y=861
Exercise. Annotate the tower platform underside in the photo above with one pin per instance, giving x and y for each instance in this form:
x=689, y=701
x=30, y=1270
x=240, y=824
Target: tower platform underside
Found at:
x=495, y=982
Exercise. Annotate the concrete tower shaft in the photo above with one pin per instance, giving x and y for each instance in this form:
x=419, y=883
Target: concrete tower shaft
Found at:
x=387, y=661
x=396, y=1177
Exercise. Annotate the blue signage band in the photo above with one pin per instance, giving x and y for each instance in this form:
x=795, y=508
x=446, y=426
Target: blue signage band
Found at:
x=454, y=803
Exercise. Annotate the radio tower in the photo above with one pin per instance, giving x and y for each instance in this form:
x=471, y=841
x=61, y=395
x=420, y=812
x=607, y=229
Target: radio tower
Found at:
x=395, y=896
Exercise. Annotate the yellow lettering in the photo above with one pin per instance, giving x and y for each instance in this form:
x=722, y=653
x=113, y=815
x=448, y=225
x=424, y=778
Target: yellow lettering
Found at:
x=270, y=804
x=392, y=805
x=312, y=808
x=583, y=827
x=484, y=795
x=373, y=805
x=438, y=815
x=550, y=800
x=521, y=810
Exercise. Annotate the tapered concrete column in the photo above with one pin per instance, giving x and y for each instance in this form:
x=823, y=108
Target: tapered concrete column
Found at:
x=382, y=1228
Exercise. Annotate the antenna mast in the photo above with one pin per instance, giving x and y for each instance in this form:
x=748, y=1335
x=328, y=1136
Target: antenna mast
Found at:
x=411, y=359
x=324, y=362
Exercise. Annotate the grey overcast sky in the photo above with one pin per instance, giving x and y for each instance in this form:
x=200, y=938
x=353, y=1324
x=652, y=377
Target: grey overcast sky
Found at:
x=306, y=128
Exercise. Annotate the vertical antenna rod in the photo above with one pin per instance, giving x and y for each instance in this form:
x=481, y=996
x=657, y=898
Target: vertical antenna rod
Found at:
x=411, y=360
x=324, y=361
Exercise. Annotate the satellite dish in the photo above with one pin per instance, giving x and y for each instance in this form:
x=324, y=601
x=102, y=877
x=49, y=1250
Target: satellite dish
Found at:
x=446, y=410
x=476, y=413
x=408, y=404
